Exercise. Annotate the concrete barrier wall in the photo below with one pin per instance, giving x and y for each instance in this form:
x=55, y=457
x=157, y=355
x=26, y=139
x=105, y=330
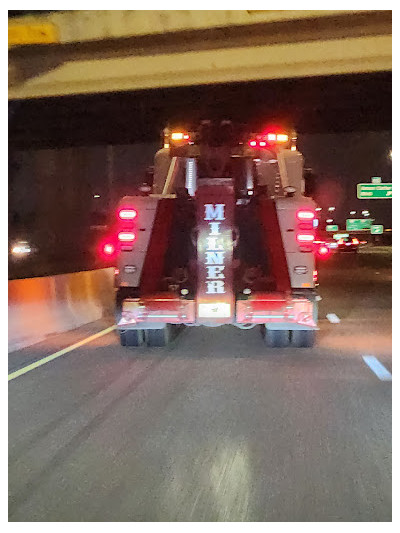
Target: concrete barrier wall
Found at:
x=38, y=307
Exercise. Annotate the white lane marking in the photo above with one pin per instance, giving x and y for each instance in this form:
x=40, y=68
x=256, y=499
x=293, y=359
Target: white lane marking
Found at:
x=377, y=368
x=49, y=358
x=333, y=319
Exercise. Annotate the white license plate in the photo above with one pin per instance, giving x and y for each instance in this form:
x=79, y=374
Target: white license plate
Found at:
x=217, y=310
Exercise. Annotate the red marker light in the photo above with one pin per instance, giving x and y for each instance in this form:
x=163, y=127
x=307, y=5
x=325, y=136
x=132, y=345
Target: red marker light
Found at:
x=126, y=236
x=304, y=214
x=108, y=249
x=323, y=250
x=253, y=143
x=305, y=238
x=315, y=275
x=127, y=214
x=271, y=137
x=262, y=143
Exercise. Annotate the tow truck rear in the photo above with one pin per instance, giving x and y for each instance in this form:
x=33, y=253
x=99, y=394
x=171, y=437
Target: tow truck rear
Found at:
x=226, y=236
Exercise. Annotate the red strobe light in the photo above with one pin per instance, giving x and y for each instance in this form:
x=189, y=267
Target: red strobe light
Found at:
x=305, y=238
x=305, y=215
x=126, y=236
x=127, y=214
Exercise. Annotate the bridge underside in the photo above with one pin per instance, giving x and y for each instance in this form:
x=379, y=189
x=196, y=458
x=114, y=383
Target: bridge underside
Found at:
x=343, y=43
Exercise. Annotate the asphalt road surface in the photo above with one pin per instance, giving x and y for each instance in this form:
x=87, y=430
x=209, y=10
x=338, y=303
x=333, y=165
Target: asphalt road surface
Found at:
x=216, y=427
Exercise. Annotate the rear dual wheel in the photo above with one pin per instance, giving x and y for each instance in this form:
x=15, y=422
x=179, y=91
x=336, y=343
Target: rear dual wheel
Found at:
x=282, y=338
x=131, y=337
x=151, y=337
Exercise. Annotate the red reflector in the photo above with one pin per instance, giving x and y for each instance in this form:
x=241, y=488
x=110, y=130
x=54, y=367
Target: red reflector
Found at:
x=305, y=237
x=355, y=241
x=126, y=236
x=127, y=214
x=305, y=214
x=253, y=143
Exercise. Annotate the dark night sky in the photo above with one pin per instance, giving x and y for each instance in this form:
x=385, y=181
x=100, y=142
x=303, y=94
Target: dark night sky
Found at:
x=343, y=122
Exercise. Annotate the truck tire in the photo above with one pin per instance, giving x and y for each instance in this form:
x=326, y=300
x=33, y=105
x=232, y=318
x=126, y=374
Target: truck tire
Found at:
x=159, y=337
x=276, y=338
x=302, y=338
x=131, y=337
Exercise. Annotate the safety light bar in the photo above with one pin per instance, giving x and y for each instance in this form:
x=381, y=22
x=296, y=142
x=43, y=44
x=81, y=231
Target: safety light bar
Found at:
x=179, y=136
x=262, y=140
x=127, y=214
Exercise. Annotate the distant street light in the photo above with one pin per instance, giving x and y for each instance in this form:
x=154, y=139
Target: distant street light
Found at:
x=329, y=220
x=353, y=212
x=331, y=208
x=318, y=209
x=366, y=213
x=96, y=196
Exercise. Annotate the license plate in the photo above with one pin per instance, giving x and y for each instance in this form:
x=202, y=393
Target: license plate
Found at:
x=217, y=310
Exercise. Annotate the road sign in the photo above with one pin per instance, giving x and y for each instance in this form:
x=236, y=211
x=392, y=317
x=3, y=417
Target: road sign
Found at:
x=374, y=191
x=332, y=227
x=376, y=179
x=338, y=236
x=376, y=229
x=354, y=224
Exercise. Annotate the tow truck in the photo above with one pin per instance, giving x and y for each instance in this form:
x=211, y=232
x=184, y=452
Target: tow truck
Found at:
x=225, y=236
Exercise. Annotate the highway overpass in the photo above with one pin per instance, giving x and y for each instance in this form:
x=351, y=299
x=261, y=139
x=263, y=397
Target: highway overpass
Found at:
x=86, y=52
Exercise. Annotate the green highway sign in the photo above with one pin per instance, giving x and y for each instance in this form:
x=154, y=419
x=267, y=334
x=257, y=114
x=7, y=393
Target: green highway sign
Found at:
x=332, y=227
x=338, y=236
x=376, y=229
x=354, y=224
x=374, y=191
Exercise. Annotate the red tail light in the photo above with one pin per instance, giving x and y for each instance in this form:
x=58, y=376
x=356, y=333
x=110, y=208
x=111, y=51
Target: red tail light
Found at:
x=253, y=143
x=126, y=236
x=262, y=143
x=127, y=214
x=305, y=214
x=355, y=241
x=315, y=275
x=305, y=238
x=340, y=241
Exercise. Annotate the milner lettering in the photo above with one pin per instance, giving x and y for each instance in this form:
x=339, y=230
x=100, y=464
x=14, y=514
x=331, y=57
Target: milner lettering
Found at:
x=215, y=253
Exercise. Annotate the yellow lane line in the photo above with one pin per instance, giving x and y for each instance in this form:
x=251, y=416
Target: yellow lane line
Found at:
x=49, y=358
